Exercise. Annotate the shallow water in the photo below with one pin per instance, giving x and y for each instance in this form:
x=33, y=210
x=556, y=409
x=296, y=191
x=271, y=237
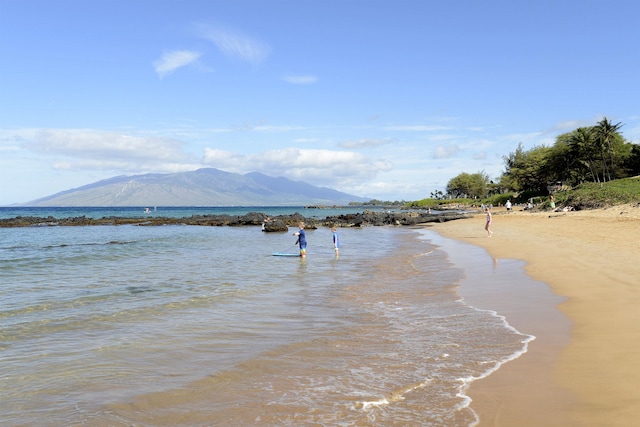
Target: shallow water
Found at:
x=183, y=325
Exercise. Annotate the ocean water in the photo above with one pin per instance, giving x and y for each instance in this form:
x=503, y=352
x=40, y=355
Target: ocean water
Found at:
x=175, y=211
x=202, y=326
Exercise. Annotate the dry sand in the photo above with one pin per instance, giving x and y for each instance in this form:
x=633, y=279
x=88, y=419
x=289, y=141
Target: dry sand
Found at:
x=592, y=258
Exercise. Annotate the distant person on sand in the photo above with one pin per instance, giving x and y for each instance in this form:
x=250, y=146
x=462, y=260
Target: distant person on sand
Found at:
x=336, y=239
x=553, y=202
x=508, y=205
x=302, y=240
x=488, y=224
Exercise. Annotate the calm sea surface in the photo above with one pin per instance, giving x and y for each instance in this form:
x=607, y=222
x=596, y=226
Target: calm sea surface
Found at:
x=173, y=211
x=202, y=326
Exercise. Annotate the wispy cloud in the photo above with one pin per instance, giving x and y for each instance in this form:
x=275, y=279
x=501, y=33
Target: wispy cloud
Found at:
x=365, y=143
x=306, y=140
x=300, y=80
x=234, y=44
x=445, y=151
x=568, y=125
x=443, y=137
x=171, y=61
x=283, y=128
x=527, y=139
x=416, y=128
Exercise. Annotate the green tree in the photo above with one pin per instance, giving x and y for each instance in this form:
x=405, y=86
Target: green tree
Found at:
x=563, y=166
x=606, y=134
x=584, y=150
x=468, y=185
x=527, y=170
x=596, y=153
x=632, y=163
x=512, y=163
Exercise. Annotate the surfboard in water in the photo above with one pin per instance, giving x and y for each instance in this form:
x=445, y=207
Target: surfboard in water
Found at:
x=284, y=254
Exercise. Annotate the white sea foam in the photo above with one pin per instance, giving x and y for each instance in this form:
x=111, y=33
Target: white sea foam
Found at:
x=394, y=396
x=465, y=382
x=364, y=406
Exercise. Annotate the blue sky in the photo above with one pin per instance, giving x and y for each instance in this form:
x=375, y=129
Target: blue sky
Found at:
x=380, y=99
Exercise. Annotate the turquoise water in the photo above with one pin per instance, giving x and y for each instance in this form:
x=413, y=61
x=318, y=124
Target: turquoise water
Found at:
x=186, y=325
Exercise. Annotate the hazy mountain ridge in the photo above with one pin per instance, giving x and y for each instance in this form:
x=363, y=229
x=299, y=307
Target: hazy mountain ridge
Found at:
x=202, y=187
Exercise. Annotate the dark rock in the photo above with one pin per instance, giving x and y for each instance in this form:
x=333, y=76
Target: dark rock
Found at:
x=276, y=225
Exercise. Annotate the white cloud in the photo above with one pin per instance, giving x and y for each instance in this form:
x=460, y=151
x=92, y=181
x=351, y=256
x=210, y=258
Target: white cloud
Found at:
x=300, y=80
x=86, y=149
x=220, y=157
x=171, y=61
x=234, y=44
x=445, y=151
x=393, y=190
x=323, y=167
x=8, y=147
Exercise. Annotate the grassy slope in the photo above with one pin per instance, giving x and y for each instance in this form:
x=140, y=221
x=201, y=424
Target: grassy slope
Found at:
x=585, y=196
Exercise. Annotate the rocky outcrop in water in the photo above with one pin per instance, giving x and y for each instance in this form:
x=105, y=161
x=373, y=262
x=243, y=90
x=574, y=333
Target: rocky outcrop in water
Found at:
x=368, y=218
x=275, y=224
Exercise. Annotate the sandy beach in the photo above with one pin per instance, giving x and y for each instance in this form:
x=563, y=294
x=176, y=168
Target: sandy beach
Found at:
x=591, y=376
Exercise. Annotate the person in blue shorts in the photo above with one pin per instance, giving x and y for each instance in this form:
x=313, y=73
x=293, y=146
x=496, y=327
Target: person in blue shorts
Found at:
x=336, y=240
x=302, y=239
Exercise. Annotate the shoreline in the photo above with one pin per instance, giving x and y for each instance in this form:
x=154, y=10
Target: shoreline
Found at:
x=590, y=258
x=528, y=306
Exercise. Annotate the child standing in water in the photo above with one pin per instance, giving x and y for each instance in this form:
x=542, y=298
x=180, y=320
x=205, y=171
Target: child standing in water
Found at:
x=336, y=240
x=302, y=239
x=488, y=224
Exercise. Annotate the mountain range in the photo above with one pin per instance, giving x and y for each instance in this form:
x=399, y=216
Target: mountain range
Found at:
x=202, y=187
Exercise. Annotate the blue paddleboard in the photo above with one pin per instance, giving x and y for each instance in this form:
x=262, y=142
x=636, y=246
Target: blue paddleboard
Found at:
x=284, y=254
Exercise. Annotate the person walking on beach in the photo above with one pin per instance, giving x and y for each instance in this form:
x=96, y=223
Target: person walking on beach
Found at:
x=336, y=240
x=302, y=240
x=488, y=224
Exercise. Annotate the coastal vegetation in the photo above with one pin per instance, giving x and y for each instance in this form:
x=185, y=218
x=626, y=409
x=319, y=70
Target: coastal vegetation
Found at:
x=587, y=168
x=587, y=195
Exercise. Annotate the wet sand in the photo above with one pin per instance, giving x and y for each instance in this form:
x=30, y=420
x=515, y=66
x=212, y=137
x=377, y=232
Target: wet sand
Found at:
x=592, y=259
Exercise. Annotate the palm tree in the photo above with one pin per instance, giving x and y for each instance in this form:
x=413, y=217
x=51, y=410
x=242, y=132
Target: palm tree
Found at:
x=583, y=147
x=605, y=135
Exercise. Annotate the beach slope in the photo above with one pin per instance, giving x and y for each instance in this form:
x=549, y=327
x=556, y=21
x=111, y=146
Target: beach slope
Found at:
x=591, y=258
